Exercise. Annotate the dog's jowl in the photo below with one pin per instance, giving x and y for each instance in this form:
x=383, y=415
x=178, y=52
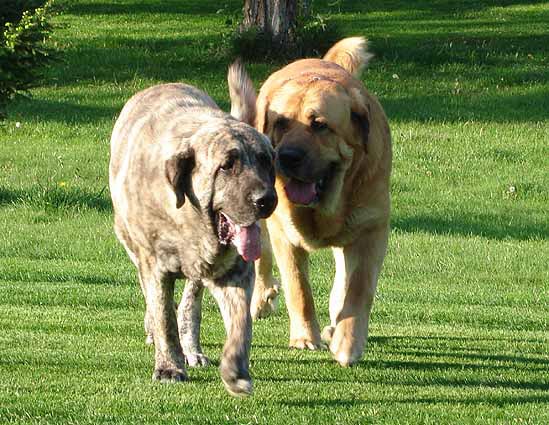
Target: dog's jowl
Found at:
x=189, y=183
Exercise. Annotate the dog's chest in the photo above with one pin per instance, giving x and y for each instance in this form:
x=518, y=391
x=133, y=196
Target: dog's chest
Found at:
x=195, y=260
x=310, y=230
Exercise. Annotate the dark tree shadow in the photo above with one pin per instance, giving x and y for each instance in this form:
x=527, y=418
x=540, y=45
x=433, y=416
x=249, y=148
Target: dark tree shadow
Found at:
x=182, y=7
x=121, y=59
x=117, y=62
x=531, y=107
x=72, y=112
x=441, y=7
x=484, y=225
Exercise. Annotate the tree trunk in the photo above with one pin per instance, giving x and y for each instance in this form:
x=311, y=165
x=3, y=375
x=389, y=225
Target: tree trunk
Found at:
x=305, y=9
x=275, y=19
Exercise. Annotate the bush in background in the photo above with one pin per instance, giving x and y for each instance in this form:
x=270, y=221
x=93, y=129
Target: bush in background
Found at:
x=24, y=52
x=315, y=33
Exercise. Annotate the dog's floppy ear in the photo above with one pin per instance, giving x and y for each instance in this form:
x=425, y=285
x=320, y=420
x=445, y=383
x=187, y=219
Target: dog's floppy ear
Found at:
x=242, y=92
x=178, y=173
x=360, y=115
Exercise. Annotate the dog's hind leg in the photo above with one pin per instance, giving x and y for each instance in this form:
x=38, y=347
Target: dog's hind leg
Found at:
x=189, y=317
x=148, y=320
x=233, y=299
x=132, y=251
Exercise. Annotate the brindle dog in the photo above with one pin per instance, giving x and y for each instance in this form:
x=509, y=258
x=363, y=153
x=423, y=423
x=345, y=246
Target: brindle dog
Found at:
x=189, y=183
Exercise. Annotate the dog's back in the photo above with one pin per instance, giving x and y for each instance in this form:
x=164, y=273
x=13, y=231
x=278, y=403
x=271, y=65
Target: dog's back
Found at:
x=151, y=110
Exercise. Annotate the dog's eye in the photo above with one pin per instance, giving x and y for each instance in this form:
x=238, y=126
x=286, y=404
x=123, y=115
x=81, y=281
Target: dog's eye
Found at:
x=281, y=123
x=280, y=126
x=317, y=125
x=265, y=160
x=229, y=163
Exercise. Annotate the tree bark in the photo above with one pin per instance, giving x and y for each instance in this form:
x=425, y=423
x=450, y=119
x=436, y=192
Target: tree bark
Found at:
x=305, y=8
x=275, y=19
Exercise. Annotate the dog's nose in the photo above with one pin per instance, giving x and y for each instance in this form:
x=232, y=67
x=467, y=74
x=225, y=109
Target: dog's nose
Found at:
x=265, y=202
x=290, y=157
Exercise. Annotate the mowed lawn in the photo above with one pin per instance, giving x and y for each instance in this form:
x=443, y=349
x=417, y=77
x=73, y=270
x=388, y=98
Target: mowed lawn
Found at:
x=459, y=332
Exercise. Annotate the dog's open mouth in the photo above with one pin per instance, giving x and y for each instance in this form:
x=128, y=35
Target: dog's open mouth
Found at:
x=301, y=193
x=307, y=194
x=246, y=239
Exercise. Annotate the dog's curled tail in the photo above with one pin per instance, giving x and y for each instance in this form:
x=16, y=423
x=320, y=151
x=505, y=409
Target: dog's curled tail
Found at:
x=351, y=54
x=242, y=92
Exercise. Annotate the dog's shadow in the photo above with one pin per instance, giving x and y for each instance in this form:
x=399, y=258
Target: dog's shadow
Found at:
x=411, y=362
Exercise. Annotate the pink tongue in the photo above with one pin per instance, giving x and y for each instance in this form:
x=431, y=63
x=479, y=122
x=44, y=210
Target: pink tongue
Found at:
x=300, y=193
x=248, y=242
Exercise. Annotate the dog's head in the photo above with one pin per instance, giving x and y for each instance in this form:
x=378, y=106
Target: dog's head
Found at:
x=226, y=170
x=317, y=117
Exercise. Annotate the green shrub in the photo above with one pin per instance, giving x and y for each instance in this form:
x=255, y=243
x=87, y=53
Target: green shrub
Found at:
x=316, y=34
x=24, y=52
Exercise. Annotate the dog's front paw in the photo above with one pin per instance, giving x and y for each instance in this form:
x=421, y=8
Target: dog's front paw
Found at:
x=345, y=356
x=237, y=384
x=264, y=301
x=197, y=360
x=238, y=387
x=169, y=374
x=307, y=344
x=327, y=334
x=345, y=349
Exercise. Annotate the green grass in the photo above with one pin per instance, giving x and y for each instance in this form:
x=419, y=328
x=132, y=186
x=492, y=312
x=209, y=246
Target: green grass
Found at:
x=459, y=332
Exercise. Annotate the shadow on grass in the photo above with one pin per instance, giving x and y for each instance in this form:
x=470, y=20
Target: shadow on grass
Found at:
x=184, y=7
x=423, y=341
x=63, y=277
x=118, y=59
x=183, y=57
x=436, y=375
x=55, y=198
x=482, y=357
x=490, y=400
x=432, y=367
x=443, y=7
x=449, y=43
x=115, y=68
x=73, y=112
x=465, y=382
x=467, y=370
x=487, y=226
x=448, y=108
